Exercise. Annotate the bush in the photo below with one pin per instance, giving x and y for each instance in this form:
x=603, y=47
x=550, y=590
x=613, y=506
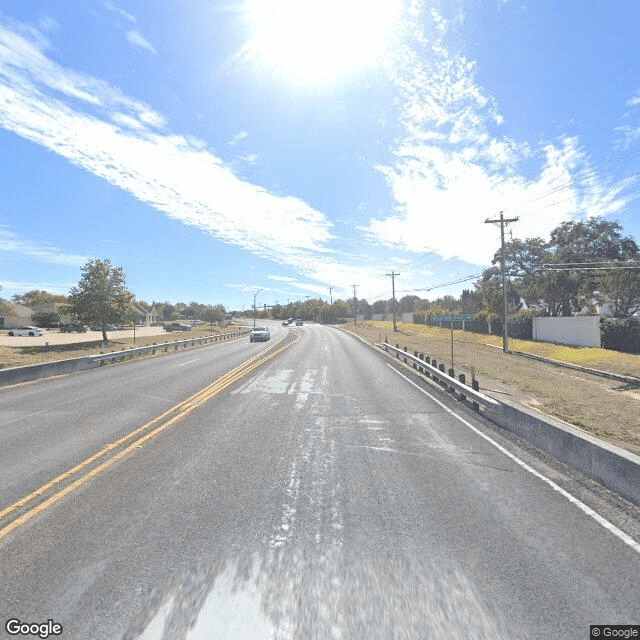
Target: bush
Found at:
x=521, y=324
x=620, y=334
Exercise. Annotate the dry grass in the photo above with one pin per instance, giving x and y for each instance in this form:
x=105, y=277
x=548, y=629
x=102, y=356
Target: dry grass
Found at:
x=21, y=356
x=605, y=408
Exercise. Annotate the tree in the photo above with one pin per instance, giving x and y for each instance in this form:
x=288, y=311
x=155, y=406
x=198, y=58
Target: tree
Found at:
x=45, y=319
x=36, y=296
x=213, y=313
x=620, y=291
x=101, y=297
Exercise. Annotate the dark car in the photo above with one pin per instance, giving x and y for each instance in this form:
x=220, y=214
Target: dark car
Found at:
x=73, y=326
x=177, y=326
x=299, y=322
x=259, y=334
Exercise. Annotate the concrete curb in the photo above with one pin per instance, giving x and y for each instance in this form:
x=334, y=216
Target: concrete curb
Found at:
x=596, y=372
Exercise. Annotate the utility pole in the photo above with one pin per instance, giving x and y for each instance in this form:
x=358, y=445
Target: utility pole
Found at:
x=254, y=306
x=331, y=295
x=393, y=296
x=355, y=301
x=503, y=222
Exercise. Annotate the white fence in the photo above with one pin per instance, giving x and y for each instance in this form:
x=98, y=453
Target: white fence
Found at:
x=579, y=331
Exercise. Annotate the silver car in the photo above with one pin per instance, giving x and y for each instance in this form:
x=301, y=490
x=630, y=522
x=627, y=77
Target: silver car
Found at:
x=259, y=334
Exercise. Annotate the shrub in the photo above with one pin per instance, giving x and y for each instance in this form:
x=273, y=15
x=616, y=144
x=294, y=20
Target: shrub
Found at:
x=620, y=334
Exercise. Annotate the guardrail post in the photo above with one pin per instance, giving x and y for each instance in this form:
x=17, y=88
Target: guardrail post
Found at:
x=413, y=364
x=398, y=348
x=461, y=378
x=475, y=385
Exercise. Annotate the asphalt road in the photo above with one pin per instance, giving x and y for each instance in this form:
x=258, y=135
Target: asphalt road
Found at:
x=317, y=493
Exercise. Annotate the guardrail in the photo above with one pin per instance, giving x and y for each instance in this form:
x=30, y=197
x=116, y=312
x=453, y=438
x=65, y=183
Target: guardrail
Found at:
x=114, y=356
x=15, y=375
x=614, y=467
x=423, y=364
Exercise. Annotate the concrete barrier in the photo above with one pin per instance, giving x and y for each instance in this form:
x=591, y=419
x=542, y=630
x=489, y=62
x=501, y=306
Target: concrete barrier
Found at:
x=16, y=375
x=614, y=467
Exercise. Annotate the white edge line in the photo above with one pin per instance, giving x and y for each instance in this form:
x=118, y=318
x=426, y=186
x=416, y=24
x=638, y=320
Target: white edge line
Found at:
x=175, y=366
x=583, y=507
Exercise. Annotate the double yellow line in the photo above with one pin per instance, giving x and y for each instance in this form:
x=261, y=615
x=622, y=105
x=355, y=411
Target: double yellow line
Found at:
x=163, y=421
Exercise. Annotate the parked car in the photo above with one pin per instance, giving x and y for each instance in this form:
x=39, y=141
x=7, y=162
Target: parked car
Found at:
x=27, y=331
x=285, y=323
x=299, y=322
x=107, y=327
x=177, y=326
x=73, y=326
x=259, y=334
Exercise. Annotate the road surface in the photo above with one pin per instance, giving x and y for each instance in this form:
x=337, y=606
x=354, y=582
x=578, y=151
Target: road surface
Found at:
x=307, y=488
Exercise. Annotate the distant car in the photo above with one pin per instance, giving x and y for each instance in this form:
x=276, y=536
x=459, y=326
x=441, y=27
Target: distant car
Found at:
x=259, y=334
x=177, y=326
x=73, y=326
x=27, y=331
x=107, y=327
x=299, y=322
x=285, y=323
x=196, y=323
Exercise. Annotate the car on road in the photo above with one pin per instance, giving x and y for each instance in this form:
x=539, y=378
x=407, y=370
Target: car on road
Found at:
x=26, y=331
x=73, y=326
x=299, y=322
x=259, y=334
x=285, y=323
x=177, y=326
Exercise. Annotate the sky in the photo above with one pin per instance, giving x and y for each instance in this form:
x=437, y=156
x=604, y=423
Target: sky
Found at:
x=216, y=149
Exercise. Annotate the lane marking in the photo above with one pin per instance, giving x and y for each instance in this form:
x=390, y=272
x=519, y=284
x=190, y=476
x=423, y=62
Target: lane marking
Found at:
x=180, y=410
x=603, y=522
x=184, y=364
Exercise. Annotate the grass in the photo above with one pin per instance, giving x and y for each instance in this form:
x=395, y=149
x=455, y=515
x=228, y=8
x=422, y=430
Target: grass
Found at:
x=606, y=408
x=21, y=356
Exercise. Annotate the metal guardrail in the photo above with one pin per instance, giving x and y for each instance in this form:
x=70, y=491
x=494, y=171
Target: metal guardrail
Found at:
x=163, y=346
x=450, y=382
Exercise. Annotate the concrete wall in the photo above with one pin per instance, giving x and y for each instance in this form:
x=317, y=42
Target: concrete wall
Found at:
x=14, y=375
x=407, y=316
x=615, y=468
x=580, y=331
x=377, y=316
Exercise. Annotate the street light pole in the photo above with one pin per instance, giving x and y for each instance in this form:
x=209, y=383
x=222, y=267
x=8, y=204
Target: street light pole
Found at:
x=254, y=305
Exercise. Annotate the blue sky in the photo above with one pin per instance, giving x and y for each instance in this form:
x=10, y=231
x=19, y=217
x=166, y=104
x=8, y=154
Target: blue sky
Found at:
x=214, y=148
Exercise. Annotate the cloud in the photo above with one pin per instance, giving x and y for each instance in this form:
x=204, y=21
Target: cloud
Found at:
x=454, y=168
x=138, y=40
x=14, y=245
x=237, y=137
x=13, y=287
x=124, y=141
x=125, y=14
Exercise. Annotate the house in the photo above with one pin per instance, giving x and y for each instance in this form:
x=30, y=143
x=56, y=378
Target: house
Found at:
x=143, y=316
x=14, y=315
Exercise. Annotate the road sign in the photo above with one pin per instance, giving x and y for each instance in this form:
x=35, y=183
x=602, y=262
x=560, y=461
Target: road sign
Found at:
x=457, y=318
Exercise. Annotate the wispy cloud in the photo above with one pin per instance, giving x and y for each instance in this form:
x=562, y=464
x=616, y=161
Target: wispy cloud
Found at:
x=23, y=287
x=122, y=140
x=138, y=40
x=13, y=245
x=454, y=168
x=237, y=137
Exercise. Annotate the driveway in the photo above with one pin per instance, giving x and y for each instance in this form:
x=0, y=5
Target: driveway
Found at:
x=53, y=336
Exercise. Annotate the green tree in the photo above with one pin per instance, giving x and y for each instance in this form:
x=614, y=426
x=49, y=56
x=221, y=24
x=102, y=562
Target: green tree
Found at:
x=101, y=297
x=212, y=313
x=37, y=296
x=46, y=319
x=620, y=291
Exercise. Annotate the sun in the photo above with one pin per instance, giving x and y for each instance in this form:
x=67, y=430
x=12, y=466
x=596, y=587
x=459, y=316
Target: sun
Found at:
x=316, y=41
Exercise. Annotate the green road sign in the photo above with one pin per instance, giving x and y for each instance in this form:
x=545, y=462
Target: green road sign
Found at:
x=457, y=318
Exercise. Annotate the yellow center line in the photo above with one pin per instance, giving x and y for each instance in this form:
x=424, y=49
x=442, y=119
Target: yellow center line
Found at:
x=183, y=408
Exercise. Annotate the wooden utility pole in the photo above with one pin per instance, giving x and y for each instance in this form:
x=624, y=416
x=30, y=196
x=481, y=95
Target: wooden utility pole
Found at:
x=503, y=222
x=355, y=301
x=393, y=296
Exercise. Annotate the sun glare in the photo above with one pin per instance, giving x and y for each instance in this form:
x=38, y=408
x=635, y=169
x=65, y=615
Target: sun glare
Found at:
x=315, y=41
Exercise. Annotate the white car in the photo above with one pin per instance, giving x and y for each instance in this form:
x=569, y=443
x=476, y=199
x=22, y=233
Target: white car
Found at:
x=27, y=331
